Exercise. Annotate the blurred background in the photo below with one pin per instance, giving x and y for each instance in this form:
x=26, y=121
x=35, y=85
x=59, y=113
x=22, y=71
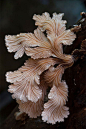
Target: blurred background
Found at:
x=16, y=17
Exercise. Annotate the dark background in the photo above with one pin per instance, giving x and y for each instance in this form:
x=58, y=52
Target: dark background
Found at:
x=16, y=17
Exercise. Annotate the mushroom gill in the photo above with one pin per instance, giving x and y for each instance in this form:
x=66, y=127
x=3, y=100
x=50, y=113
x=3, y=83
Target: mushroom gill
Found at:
x=43, y=69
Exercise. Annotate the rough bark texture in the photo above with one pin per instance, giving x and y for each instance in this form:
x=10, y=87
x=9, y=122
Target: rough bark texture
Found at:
x=75, y=77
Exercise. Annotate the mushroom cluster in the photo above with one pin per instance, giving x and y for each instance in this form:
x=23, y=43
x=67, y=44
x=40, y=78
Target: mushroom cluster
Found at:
x=44, y=69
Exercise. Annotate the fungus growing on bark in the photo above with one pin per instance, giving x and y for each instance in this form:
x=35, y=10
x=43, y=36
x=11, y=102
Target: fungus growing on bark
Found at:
x=44, y=69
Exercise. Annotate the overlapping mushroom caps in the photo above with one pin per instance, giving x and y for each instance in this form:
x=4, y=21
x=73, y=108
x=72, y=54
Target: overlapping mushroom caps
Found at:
x=44, y=69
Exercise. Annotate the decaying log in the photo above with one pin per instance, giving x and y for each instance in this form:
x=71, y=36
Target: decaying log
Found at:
x=75, y=77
